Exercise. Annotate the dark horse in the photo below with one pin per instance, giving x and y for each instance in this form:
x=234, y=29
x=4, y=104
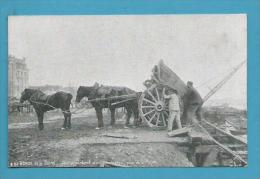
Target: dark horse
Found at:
x=94, y=92
x=42, y=103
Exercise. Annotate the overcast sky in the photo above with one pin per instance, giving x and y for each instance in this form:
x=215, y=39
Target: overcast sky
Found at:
x=121, y=50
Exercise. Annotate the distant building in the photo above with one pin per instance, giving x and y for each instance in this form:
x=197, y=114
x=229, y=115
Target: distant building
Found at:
x=18, y=76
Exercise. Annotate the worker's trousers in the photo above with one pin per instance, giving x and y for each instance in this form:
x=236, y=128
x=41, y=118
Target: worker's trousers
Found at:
x=191, y=114
x=174, y=116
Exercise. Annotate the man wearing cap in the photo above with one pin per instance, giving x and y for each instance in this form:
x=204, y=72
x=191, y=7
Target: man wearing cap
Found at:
x=174, y=109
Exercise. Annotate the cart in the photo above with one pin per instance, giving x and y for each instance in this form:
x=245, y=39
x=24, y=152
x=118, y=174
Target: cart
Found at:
x=153, y=108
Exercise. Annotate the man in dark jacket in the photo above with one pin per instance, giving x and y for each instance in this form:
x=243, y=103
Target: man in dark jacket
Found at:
x=192, y=105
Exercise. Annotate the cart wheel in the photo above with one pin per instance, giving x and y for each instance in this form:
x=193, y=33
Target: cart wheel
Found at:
x=153, y=108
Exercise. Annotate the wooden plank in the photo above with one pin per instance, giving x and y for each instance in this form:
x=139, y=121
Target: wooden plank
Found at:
x=111, y=164
x=178, y=132
x=235, y=145
x=241, y=152
x=119, y=136
x=220, y=130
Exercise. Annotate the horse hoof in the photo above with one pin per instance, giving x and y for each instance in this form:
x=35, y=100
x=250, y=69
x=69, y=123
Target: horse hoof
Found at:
x=97, y=128
x=126, y=127
x=63, y=128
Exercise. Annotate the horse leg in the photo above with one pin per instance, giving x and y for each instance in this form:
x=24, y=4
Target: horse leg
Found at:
x=135, y=111
x=136, y=118
x=67, y=117
x=112, y=111
x=69, y=120
x=40, y=119
x=128, y=115
x=68, y=113
x=100, y=117
x=65, y=121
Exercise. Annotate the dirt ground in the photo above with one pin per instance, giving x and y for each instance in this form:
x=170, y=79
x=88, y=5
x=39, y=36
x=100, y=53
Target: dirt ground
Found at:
x=84, y=146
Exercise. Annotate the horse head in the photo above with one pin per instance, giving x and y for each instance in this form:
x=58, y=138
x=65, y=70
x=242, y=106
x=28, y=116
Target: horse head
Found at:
x=26, y=94
x=83, y=91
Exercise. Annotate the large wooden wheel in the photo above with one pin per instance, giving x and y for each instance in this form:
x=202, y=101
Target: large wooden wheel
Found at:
x=153, y=108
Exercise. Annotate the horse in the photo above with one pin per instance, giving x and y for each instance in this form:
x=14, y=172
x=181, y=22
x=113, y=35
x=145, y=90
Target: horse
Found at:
x=96, y=91
x=43, y=103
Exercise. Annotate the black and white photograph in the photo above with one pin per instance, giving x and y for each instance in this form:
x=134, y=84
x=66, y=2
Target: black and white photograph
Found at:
x=127, y=90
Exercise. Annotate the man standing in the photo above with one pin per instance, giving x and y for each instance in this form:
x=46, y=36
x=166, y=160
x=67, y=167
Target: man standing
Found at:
x=174, y=109
x=192, y=105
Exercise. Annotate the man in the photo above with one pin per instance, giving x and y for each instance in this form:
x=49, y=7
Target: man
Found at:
x=192, y=105
x=174, y=109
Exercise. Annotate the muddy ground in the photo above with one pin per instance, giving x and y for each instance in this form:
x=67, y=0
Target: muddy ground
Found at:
x=84, y=146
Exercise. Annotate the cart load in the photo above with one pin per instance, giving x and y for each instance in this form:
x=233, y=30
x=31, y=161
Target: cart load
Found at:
x=163, y=75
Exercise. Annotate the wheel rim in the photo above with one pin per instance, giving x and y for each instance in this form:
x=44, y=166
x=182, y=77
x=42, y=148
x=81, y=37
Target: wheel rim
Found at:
x=153, y=107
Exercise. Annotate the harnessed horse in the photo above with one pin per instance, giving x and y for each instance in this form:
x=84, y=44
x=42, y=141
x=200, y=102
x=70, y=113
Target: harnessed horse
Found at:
x=43, y=103
x=95, y=92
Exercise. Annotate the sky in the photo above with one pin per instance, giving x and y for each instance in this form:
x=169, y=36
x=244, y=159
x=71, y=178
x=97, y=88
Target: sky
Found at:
x=121, y=50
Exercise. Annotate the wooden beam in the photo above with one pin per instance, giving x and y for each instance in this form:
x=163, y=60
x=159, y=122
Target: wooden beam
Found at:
x=178, y=132
x=220, y=130
x=111, y=164
x=134, y=96
x=123, y=101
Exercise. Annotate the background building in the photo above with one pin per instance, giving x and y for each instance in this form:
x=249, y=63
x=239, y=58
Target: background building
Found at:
x=18, y=76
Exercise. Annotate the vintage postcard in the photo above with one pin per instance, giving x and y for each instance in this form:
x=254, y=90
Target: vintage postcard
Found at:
x=127, y=91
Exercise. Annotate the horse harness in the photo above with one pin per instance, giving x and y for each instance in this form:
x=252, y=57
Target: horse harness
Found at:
x=46, y=103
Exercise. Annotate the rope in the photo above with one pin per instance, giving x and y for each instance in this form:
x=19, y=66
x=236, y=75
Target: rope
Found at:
x=72, y=112
x=207, y=81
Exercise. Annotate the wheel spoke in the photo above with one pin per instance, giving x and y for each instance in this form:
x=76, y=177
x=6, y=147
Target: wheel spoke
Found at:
x=144, y=107
x=163, y=92
x=149, y=101
x=152, y=107
x=163, y=119
x=157, y=93
x=149, y=112
x=153, y=116
x=158, y=118
x=151, y=95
